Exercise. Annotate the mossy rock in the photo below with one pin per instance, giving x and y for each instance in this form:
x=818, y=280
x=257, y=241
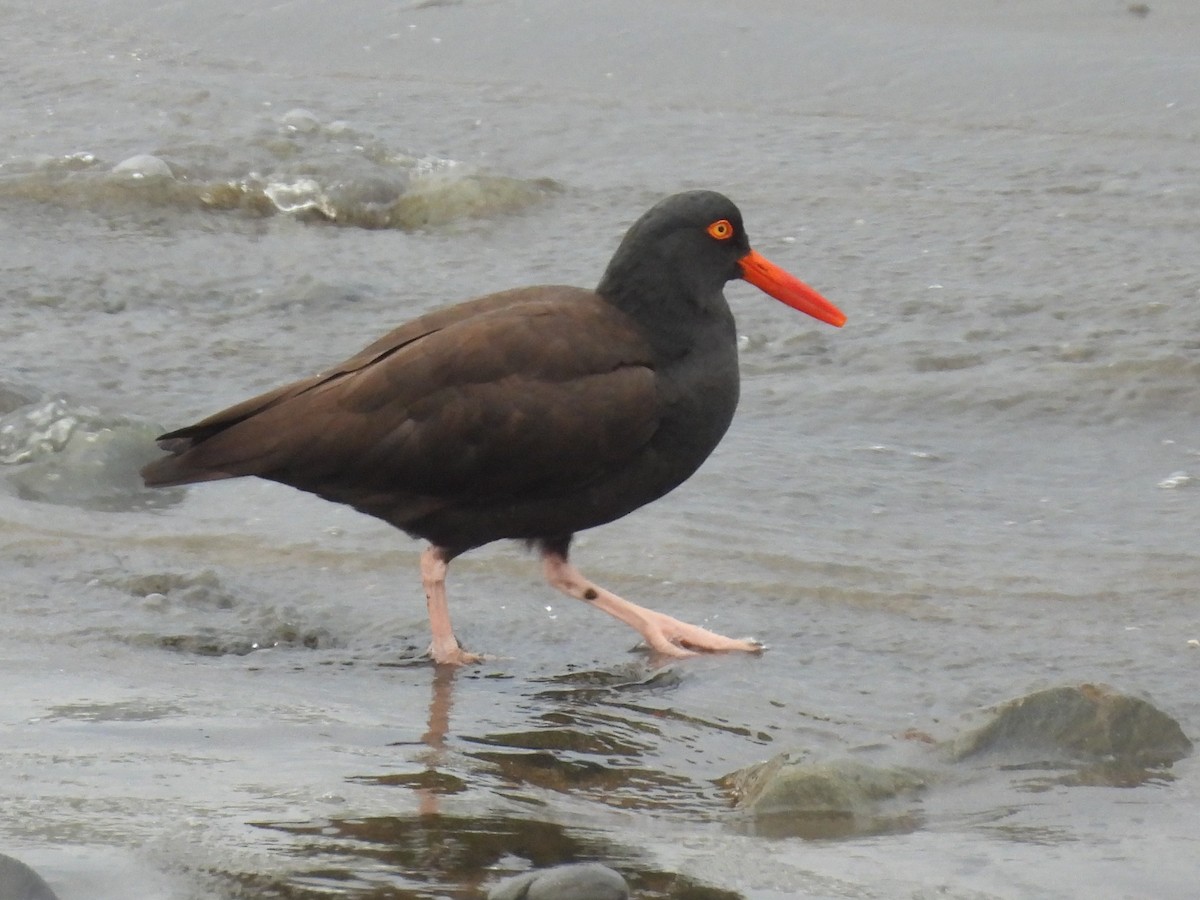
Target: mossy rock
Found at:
x=1081, y=723
x=792, y=795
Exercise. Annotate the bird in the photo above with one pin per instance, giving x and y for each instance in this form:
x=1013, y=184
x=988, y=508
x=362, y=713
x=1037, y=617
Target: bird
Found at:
x=529, y=414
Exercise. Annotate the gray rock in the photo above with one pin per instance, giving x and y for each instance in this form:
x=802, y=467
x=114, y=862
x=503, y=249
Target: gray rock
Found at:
x=576, y=881
x=1079, y=723
x=19, y=882
x=793, y=795
x=1082, y=734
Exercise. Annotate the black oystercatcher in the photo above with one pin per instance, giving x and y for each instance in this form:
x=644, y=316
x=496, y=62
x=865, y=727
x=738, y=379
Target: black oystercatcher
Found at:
x=528, y=414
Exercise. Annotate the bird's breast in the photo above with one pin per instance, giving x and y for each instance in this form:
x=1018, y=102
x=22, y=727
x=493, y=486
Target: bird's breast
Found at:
x=699, y=394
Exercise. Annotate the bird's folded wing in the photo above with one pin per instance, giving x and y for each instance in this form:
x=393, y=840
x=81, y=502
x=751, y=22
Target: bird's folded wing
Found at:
x=522, y=397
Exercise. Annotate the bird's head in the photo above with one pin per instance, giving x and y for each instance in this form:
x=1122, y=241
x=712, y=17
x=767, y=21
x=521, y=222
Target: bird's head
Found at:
x=685, y=248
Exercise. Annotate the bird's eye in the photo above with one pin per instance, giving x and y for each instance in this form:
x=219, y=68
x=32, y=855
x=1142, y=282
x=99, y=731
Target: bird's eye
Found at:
x=721, y=230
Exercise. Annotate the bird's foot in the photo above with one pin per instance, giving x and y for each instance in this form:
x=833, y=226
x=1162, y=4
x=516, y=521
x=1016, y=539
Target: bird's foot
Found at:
x=671, y=637
x=452, y=655
x=665, y=635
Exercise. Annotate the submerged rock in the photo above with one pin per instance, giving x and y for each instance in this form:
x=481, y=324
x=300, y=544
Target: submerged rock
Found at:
x=144, y=165
x=792, y=795
x=576, y=881
x=19, y=882
x=1082, y=723
x=164, y=590
x=300, y=120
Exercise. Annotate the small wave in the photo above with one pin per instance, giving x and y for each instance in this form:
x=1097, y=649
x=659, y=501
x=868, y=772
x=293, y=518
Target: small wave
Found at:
x=73, y=455
x=1177, y=480
x=299, y=167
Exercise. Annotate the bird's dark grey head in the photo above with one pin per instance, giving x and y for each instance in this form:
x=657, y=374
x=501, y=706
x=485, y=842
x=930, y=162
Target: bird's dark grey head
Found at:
x=679, y=253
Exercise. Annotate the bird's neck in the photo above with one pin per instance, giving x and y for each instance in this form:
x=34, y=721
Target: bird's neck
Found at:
x=671, y=311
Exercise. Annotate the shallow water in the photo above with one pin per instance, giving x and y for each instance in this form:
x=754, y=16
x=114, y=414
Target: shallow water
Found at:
x=989, y=481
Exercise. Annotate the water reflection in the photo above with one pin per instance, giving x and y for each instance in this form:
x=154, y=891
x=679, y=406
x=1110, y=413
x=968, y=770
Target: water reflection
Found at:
x=427, y=856
x=574, y=748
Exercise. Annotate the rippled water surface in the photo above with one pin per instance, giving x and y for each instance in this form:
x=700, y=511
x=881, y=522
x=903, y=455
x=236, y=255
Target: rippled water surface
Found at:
x=986, y=483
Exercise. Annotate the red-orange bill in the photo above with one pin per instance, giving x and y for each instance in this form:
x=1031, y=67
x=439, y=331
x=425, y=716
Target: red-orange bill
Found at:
x=787, y=288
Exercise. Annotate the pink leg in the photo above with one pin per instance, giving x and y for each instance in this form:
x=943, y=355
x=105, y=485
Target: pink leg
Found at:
x=661, y=633
x=444, y=649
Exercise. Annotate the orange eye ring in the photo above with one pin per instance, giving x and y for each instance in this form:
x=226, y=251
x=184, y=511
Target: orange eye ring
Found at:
x=721, y=229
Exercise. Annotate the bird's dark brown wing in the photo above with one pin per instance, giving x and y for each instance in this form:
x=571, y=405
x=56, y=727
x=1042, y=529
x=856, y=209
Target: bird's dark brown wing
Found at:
x=523, y=393
x=185, y=438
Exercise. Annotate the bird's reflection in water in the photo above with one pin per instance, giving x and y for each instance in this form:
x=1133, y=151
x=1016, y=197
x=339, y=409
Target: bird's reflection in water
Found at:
x=589, y=738
x=437, y=726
